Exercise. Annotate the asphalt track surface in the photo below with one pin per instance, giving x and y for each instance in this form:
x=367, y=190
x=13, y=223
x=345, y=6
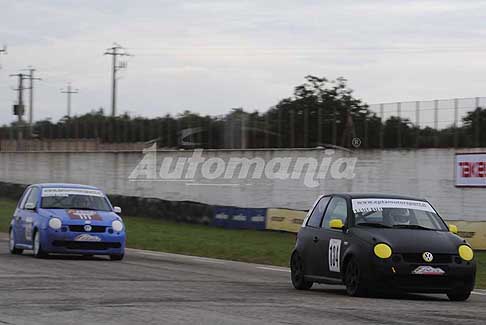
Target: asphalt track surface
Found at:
x=159, y=288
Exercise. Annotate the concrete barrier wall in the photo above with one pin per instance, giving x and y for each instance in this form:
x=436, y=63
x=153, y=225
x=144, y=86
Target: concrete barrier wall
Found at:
x=427, y=173
x=234, y=217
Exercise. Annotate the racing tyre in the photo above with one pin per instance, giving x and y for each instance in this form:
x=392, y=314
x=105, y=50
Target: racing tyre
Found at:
x=353, y=279
x=117, y=257
x=459, y=296
x=297, y=273
x=11, y=244
x=37, y=246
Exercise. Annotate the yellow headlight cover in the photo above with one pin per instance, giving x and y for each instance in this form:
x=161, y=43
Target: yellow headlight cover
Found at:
x=382, y=250
x=466, y=253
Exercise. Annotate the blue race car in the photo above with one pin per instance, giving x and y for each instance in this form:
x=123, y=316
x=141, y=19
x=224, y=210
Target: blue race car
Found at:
x=67, y=219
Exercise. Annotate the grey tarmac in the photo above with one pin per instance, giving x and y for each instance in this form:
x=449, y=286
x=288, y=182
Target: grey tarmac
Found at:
x=160, y=288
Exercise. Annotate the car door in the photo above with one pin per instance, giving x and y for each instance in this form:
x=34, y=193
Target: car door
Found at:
x=17, y=216
x=28, y=215
x=334, y=241
x=310, y=236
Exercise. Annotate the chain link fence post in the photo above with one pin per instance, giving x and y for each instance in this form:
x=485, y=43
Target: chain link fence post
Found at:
x=456, y=118
x=399, y=131
x=477, y=142
x=382, y=125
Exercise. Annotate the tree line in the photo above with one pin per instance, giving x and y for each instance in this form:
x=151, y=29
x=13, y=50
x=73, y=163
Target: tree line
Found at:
x=320, y=112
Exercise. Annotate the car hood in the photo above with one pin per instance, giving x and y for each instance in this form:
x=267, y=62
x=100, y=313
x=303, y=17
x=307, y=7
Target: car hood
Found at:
x=412, y=240
x=73, y=216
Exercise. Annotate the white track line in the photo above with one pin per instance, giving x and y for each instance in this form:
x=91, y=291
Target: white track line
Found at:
x=170, y=255
x=207, y=260
x=479, y=293
x=273, y=269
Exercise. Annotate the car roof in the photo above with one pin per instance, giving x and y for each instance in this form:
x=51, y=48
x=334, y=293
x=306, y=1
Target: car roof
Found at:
x=377, y=195
x=64, y=185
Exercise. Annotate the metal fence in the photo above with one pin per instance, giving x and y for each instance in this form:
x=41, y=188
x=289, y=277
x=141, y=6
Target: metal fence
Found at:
x=438, y=115
x=434, y=123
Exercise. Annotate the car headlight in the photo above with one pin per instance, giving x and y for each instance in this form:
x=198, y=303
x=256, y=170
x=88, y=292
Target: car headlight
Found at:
x=382, y=250
x=117, y=225
x=55, y=223
x=466, y=252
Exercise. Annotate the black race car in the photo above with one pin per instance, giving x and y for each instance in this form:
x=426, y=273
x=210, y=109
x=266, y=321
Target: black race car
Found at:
x=375, y=242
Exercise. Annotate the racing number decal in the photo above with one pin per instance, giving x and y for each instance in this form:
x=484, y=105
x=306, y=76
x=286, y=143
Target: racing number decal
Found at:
x=334, y=255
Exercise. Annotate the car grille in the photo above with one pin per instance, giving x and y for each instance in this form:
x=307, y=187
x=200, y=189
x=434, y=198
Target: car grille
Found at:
x=417, y=258
x=423, y=282
x=80, y=228
x=85, y=245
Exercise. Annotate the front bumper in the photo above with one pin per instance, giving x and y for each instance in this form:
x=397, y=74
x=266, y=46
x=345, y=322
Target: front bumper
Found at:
x=64, y=241
x=396, y=274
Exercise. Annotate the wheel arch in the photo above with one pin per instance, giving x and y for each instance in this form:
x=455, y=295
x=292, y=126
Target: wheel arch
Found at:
x=347, y=257
x=35, y=229
x=294, y=251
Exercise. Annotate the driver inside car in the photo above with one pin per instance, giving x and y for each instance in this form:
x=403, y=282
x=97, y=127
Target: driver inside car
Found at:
x=397, y=216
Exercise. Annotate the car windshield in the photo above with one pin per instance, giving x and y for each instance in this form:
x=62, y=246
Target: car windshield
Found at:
x=397, y=214
x=79, y=199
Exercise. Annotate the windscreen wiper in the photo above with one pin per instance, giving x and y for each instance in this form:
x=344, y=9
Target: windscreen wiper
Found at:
x=373, y=224
x=411, y=227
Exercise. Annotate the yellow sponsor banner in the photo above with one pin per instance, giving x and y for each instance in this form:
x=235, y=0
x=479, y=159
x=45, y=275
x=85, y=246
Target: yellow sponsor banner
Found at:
x=472, y=231
x=284, y=219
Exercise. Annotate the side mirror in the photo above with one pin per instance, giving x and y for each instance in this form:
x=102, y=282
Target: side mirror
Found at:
x=336, y=224
x=29, y=206
x=453, y=229
x=117, y=209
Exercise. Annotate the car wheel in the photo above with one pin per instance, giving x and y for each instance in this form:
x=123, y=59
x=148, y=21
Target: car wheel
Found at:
x=353, y=279
x=297, y=273
x=11, y=244
x=459, y=296
x=117, y=257
x=37, y=246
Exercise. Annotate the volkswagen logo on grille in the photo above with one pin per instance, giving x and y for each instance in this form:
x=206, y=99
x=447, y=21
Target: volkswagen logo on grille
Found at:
x=428, y=257
x=87, y=228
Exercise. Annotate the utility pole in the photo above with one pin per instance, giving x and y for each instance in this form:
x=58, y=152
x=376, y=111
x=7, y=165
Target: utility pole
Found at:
x=31, y=94
x=18, y=109
x=69, y=92
x=3, y=51
x=115, y=51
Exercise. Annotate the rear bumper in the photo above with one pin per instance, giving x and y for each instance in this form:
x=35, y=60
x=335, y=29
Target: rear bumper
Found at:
x=68, y=242
x=387, y=275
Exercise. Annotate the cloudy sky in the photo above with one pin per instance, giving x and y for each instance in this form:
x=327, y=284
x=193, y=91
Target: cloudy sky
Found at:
x=209, y=56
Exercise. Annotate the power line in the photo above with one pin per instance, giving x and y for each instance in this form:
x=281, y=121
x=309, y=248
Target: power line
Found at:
x=31, y=94
x=69, y=92
x=115, y=51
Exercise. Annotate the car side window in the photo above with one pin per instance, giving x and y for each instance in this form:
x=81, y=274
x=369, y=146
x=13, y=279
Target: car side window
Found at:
x=33, y=196
x=24, y=197
x=318, y=212
x=338, y=209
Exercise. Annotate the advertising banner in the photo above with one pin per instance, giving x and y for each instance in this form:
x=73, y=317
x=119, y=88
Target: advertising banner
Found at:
x=470, y=169
x=472, y=231
x=285, y=220
x=239, y=218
